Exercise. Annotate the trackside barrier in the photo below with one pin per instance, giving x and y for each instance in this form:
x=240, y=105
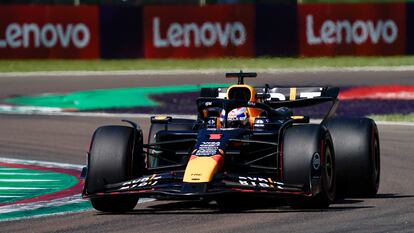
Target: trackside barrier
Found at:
x=199, y=32
x=352, y=29
x=121, y=30
x=49, y=32
x=276, y=30
x=231, y=30
x=410, y=28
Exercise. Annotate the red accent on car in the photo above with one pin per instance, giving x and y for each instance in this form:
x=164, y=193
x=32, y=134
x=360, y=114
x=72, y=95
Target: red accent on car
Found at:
x=215, y=136
x=322, y=153
x=219, y=159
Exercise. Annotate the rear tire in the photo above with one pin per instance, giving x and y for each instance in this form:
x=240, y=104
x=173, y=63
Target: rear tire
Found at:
x=111, y=160
x=301, y=145
x=356, y=143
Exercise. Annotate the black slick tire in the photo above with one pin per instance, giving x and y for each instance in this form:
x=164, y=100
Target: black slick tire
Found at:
x=300, y=146
x=357, y=148
x=112, y=160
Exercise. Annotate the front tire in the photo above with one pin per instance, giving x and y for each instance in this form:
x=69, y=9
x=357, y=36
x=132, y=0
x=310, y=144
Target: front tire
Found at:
x=301, y=146
x=327, y=194
x=115, y=156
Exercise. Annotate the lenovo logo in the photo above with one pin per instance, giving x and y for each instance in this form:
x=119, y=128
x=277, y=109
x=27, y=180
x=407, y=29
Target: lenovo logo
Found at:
x=33, y=35
x=207, y=34
x=347, y=32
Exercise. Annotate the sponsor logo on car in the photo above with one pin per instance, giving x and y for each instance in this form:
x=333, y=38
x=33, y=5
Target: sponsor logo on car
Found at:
x=316, y=161
x=141, y=182
x=208, y=148
x=259, y=182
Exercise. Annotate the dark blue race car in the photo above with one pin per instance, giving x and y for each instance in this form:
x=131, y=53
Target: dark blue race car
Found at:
x=245, y=143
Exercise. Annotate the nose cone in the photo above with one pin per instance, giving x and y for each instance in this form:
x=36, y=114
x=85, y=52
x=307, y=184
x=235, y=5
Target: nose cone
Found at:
x=202, y=169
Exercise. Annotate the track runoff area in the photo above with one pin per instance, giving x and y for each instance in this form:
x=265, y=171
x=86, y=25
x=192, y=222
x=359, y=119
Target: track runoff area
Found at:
x=31, y=189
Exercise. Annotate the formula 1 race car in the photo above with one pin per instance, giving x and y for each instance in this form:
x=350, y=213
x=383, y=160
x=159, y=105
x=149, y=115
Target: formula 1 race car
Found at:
x=245, y=142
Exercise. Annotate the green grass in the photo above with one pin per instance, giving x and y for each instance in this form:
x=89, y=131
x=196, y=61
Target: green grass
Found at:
x=225, y=63
x=394, y=117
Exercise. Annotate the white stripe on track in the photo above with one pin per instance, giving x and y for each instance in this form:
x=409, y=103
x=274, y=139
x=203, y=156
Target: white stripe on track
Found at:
x=33, y=109
x=41, y=204
x=21, y=174
x=68, y=74
x=40, y=163
x=396, y=123
x=26, y=180
x=21, y=188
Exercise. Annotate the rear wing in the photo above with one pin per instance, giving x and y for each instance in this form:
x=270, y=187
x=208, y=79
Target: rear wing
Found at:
x=275, y=94
x=291, y=97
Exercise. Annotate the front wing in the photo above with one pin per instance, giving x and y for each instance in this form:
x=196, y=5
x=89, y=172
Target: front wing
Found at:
x=171, y=185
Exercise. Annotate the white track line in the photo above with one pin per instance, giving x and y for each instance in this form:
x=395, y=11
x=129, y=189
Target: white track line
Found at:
x=39, y=111
x=40, y=163
x=394, y=123
x=25, y=180
x=33, y=109
x=41, y=204
x=21, y=188
x=205, y=71
x=22, y=174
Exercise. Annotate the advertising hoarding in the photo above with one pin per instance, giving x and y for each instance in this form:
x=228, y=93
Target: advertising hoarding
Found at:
x=351, y=29
x=49, y=32
x=199, y=32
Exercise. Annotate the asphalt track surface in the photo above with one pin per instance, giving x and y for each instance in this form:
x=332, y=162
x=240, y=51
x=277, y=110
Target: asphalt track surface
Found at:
x=65, y=139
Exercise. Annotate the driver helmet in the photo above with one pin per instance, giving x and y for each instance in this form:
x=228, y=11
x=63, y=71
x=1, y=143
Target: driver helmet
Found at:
x=237, y=117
